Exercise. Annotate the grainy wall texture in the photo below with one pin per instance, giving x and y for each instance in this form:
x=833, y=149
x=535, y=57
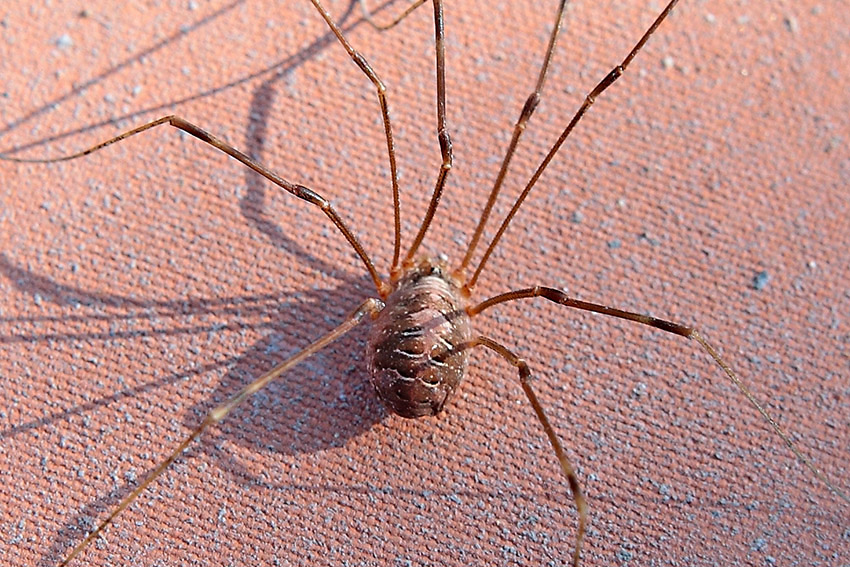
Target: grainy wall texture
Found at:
x=141, y=286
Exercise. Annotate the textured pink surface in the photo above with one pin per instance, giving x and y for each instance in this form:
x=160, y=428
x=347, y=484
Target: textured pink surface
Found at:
x=144, y=284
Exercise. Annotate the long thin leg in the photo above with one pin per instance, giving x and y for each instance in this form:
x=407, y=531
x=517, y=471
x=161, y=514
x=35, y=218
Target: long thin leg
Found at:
x=566, y=468
x=609, y=79
x=561, y=298
x=442, y=131
x=369, y=307
x=527, y=110
x=299, y=191
x=383, y=27
x=364, y=66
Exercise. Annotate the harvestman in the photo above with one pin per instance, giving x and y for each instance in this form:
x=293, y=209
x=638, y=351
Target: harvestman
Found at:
x=421, y=333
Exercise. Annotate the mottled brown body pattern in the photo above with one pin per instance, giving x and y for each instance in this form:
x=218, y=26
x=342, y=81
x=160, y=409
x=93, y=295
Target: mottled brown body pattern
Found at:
x=418, y=345
x=421, y=336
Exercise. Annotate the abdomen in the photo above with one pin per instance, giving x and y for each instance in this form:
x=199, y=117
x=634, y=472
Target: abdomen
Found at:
x=417, y=350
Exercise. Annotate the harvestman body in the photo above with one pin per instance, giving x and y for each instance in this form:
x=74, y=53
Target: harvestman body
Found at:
x=422, y=320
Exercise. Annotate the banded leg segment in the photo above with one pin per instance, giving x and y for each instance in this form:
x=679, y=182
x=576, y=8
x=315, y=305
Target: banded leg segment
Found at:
x=561, y=298
x=527, y=110
x=369, y=307
x=299, y=191
x=589, y=99
x=381, y=90
x=443, y=136
x=566, y=467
